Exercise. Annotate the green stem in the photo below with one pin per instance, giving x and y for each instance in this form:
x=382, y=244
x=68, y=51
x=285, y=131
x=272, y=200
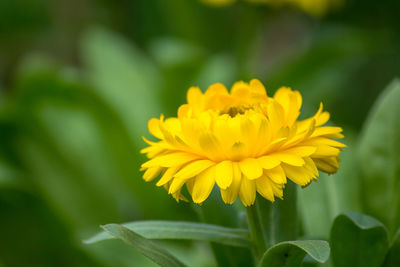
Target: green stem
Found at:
x=259, y=236
x=273, y=223
x=267, y=211
x=285, y=215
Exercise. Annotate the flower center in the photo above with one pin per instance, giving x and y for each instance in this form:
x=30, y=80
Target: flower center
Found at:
x=235, y=110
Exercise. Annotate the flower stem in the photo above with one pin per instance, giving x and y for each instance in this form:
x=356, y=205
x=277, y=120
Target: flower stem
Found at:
x=285, y=215
x=272, y=223
x=259, y=236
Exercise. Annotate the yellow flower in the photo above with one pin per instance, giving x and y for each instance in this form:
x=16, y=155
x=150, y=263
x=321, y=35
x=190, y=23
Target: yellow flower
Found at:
x=316, y=8
x=313, y=7
x=218, y=3
x=243, y=141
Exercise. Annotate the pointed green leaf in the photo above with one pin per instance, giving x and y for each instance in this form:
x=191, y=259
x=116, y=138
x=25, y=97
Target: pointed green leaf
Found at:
x=292, y=253
x=124, y=76
x=379, y=158
x=358, y=240
x=393, y=257
x=336, y=194
x=215, y=212
x=145, y=246
x=182, y=230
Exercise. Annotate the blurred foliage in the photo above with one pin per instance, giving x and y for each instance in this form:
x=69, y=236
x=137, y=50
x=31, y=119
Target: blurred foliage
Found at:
x=380, y=147
x=80, y=79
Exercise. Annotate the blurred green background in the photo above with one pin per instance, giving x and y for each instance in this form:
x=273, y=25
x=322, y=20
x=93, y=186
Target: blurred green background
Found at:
x=80, y=78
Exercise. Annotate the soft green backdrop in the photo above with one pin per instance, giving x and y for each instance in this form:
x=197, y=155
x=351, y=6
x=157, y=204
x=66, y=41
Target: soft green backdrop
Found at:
x=80, y=78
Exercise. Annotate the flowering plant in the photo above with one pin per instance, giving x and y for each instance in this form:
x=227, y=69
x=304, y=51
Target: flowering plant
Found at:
x=242, y=142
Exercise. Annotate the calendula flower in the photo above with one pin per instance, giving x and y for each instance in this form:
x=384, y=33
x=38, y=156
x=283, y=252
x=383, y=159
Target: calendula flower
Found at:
x=243, y=141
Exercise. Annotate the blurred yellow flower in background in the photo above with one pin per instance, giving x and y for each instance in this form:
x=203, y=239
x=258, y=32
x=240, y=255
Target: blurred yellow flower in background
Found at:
x=313, y=7
x=243, y=141
x=218, y=2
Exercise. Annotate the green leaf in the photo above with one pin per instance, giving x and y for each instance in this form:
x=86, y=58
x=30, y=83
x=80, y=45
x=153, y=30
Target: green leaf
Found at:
x=219, y=68
x=182, y=230
x=123, y=75
x=215, y=211
x=145, y=246
x=292, y=253
x=393, y=257
x=9, y=176
x=336, y=194
x=170, y=52
x=379, y=158
x=358, y=240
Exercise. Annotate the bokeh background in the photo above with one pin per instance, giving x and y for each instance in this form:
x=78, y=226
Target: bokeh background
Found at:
x=80, y=78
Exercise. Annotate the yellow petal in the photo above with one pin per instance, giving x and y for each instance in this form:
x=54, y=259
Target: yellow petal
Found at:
x=216, y=88
x=310, y=165
x=154, y=128
x=224, y=174
x=277, y=175
x=247, y=192
x=264, y=136
x=298, y=175
x=258, y=87
x=153, y=150
x=178, y=196
x=291, y=159
x=209, y=145
x=277, y=189
x=193, y=169
x=281, y=95
x=189, y=185
x=288, y=99
x=264, y=188
x=222, y=132
x=326, y=131
x=250, y=168
x=268, y=162
x=317, y=141
x=170, y=160
x=240, y=90
x=230, y=194
x=203, y=185
x=167, y=176
x=275, y=115
x=321, y=117
x=193, y=96
x=301, y=151
x=328, y=165
x=248, y=130
x=326, y=151
x=176, y=185
x=151, y=173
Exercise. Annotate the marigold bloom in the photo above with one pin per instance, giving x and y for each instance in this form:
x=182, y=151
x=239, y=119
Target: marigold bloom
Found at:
x=243, y=141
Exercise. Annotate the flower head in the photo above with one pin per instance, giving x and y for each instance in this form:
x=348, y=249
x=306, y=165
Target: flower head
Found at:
x=243, y=141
